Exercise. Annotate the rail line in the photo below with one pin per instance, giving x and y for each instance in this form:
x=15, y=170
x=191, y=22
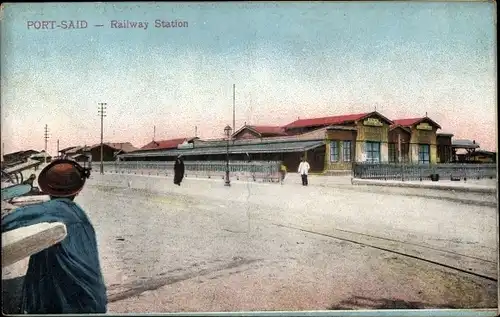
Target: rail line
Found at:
x=414, y=244
x=405, y=254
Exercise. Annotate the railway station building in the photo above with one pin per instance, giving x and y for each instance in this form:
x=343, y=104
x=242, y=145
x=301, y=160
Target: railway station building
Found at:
x=330, y=144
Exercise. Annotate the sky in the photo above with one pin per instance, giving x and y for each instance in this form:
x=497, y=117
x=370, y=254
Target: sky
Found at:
x=287, y=60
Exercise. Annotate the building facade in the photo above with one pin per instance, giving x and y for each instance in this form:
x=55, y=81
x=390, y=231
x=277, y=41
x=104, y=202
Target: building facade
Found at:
x=422, y=146
x=330, y=144
x=349, y=138
x=444, y=147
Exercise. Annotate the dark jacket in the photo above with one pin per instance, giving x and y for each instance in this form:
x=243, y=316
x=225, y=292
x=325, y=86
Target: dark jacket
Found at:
x=67, y=277
x=178, y=171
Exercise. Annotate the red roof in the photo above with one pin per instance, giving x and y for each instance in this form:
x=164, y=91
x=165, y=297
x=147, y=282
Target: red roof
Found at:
x=268, y=130
x=413, y=121
x=407, y=122
x=302, y=123
x=164, y=144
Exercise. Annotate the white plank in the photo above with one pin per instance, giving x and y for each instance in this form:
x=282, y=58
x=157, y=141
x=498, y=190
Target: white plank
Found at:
x=23, y=242
x=7, y=208
x=20, y=167
x=29, y=200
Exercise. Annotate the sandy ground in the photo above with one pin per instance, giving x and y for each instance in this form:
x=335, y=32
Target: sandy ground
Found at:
x=206, y=247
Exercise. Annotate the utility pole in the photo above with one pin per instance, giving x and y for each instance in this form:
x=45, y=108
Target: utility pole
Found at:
x=154, y=133
x=46, y=137
x=57, y=147
x=102, y=108
x=234, y=107
x=195, y=131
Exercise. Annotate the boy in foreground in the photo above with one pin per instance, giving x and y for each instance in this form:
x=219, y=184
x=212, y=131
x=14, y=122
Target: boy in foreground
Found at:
x=66, y=277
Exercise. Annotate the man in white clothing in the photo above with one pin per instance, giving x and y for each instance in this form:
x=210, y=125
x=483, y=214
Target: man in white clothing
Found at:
x=304, y=170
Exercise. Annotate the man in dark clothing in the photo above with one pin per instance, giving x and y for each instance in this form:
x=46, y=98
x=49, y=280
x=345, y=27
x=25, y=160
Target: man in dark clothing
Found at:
x=65, y=278
x=178, y=171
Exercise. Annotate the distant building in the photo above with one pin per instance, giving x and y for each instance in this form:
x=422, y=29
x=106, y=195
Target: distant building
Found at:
x=110, y=151
x=122, y=148
x=42, y=157
x=482, y=156
x=75, y=150
x=18, y=157
x=63, y=152
x=254, y=131
x=469, y=146
x=165, y=144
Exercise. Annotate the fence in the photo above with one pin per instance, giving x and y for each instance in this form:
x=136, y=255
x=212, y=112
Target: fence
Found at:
x=266, y=171
x=408, y=172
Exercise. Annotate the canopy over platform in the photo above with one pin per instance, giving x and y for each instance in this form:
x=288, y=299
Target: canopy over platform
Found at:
x=464, y=144
x=274, y=147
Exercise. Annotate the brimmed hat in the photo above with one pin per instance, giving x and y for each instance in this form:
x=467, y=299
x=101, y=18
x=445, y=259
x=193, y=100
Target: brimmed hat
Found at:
x=62, y=178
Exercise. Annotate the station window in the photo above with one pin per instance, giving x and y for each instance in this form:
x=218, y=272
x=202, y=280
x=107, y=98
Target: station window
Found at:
x=424, y=154
x=334, y=151
x=372, y=150
x=347, y=151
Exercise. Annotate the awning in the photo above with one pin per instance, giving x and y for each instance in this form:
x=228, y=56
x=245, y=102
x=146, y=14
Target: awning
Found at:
x=464, y=144
x=276, y=147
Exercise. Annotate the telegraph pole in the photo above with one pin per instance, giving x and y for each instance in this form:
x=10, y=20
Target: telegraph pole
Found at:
x=46, y=137
x=154, y=133
x=102, y=108
x=57, y=147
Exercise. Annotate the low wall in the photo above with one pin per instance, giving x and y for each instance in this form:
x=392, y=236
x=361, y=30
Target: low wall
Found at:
x=408, y=172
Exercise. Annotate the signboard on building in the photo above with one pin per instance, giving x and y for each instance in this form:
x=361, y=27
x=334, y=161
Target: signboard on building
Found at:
x=374, y=122
x=373, y=134
x=424, y=126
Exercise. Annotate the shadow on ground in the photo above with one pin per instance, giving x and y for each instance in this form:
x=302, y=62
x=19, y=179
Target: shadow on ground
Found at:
x=359, y=302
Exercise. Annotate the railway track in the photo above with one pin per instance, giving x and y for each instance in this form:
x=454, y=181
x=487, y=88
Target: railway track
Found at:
x=470, y=265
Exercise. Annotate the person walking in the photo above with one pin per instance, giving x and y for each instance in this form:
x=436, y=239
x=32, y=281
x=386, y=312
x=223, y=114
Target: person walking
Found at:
x=283, y=173
x=304, y=171
x=178, y=170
